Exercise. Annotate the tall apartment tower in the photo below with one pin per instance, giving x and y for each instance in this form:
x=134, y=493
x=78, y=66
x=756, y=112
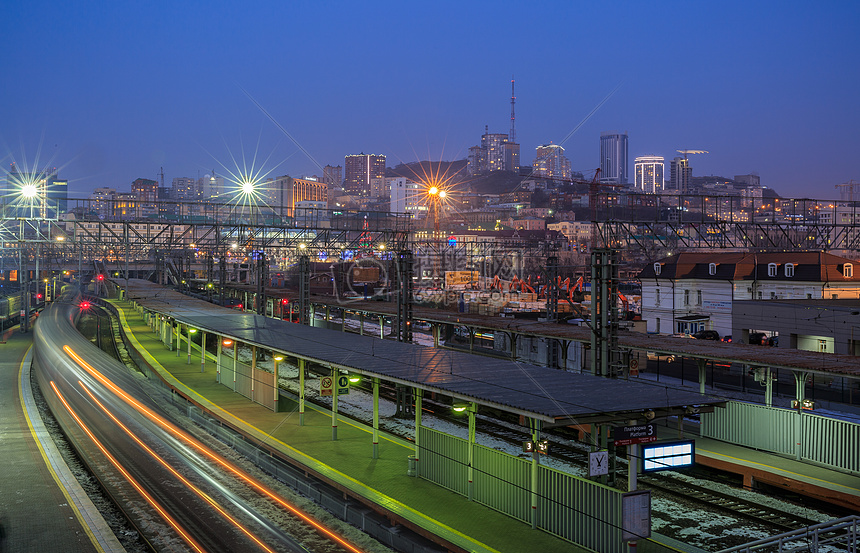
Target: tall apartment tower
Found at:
x=359, y=169
x=680, y=175
x=551, y=163
x=186, y=188
x=648, y=174
x=613, y=158
x=333, y=176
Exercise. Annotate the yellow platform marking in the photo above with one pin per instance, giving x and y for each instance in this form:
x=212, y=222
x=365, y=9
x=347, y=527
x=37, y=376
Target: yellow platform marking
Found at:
x=69, y=499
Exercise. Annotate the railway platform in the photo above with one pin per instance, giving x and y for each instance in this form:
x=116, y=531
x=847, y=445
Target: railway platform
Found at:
x=347, y=461
x=42, y=506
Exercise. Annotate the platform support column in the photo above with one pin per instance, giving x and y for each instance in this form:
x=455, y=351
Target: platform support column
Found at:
x=218, y=359
x=178, y=338
x=536, y=426
x=253, y=371
x=632, y=473
x=473, y=408
x=301, y=364
x=381, y=327
x=334, y=399
x=188, y=339
x=277, y=387
x=800, y=381
x=235, y=361
x=768, y=388
x=361, y=323
x=702, y=364
x=436, y=331
x=203, y=351
x=375, y=418
x=471, y=339
x=419, y=395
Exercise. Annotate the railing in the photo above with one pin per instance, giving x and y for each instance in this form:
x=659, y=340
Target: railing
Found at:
x=843, y=533
x=825, y=441
x=572, y=508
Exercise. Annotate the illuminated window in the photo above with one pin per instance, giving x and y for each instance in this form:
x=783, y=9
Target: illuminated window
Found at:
x=848, y=270
x=771, y=269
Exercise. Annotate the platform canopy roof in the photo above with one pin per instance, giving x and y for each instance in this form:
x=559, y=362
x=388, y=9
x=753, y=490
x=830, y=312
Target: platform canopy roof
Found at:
x=553, y=396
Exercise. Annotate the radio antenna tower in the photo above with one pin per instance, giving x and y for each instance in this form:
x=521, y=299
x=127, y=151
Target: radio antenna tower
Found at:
x=513, y=135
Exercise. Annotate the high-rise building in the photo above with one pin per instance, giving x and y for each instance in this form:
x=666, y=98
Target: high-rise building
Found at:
x=146, y=191
x=333, y=176
x=648, y=174
x=496, y=153
x=407, y=196
x=284, y=192
x=613, y=158
x=680, y=175
x=187, y=189
x=551, y=163
x=359, y=169
x=214, y=189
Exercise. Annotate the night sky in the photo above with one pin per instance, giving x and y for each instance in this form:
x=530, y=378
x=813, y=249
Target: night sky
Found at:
x=112, y=91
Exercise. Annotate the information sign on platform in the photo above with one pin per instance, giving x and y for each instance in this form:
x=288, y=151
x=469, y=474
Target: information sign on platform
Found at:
x=342, y=385
x=668, y=456
x=326, y=386
x=629, y=435
x=636, y=515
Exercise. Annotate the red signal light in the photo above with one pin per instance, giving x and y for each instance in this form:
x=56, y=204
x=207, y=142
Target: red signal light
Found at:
x=85, y=305
x=100, y=277
x=285, y=301
x=38, y=296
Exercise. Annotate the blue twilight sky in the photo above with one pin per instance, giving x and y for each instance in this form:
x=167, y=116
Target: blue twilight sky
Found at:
x=112, y=91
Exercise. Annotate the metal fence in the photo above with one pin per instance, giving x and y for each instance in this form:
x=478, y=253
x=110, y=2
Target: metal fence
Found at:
x=572, y=508
x=826, y=441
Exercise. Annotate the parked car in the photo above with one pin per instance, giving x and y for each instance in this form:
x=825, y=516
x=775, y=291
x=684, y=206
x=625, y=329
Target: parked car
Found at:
x=707, y=335
x=758, y=338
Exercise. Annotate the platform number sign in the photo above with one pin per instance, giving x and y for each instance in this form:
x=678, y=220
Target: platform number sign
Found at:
x=598, y=463
x=326, y=386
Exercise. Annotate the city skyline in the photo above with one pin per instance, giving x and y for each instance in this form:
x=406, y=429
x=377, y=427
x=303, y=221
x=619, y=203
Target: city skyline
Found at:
x=95, y=99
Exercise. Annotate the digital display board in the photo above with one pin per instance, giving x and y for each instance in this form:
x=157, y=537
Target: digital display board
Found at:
x=668, y=456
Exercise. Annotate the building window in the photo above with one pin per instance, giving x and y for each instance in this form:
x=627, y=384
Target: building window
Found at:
x=686, y=297
x=759, y=295
x=657, y=299
x=698, y=297
x=657, y=267
x=773, y=295
x=771, y=269
x=848, y=270
x=712, y=268
x=658, y=325
x=789, y=270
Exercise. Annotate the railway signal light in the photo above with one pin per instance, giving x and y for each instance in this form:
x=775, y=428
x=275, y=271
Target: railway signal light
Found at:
x=85, y=305
x=285, y=301
x=38, y=296
x=100, y=278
